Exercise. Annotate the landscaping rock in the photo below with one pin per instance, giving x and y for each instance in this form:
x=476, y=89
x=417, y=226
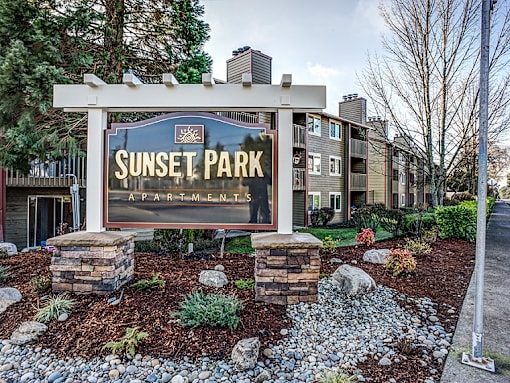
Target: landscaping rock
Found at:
x=213, y=278
x=376, y=256
x=28, y=332
x=245, y=354
x=9, y=248
x=352, y=280
x=8, y=296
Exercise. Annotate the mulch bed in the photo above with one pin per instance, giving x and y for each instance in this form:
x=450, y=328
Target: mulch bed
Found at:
x=443, y=276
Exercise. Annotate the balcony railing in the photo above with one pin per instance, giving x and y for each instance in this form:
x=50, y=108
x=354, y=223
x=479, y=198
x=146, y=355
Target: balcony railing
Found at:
x=358, y=148
x=240, y=116
x=358, y=181
x=298, y=136
x=58, y=173
x=298, y=179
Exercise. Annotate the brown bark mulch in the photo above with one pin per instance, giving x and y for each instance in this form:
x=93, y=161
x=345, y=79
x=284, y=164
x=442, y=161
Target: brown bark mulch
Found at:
x=442, y=276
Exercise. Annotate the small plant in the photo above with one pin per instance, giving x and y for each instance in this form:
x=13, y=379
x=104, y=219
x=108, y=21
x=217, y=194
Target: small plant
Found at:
x=147, y=284
x=40, y=284
x=332, y=376
x=213, y=310
x=323, y=275
x=128, y=343
x=4, y=273
x=245, y=284
x=430, y=235
x=417, y=247
x=400, y=261
x=405, y=346
x=4, y=254
x=366, y=237
x=54, y=307
x=328, y=243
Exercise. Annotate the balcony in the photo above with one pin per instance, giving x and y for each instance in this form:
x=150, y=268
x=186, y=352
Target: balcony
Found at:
x=240, y=116
x=298, y=136
x=358, y=148
x=298, y=179
x=358, y=182
x=50, y=174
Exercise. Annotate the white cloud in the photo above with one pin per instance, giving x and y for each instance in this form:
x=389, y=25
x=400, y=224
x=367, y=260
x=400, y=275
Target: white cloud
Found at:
x=319, y=70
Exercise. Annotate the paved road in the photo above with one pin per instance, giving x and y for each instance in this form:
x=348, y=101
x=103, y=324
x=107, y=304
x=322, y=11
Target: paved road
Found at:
x=496, y=322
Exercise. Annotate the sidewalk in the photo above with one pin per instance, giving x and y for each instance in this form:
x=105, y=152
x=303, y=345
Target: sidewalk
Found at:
x=496, y=324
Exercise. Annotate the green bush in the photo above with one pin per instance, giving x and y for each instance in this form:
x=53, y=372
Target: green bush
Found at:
x=147, y=284
x=457, y=221
x=369, y=217
x=245, y=284
x=328, y=243
x=213, y=310
x=147, y=246
x=416, y=223
x=128, y=343
x=322, y=216
x=418, y=247
x=393, y=222
x=175, y=241
x=4, y=273
x=40, y=284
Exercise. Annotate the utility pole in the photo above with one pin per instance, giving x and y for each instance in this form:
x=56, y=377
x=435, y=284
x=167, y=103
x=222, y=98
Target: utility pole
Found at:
x=476, y=358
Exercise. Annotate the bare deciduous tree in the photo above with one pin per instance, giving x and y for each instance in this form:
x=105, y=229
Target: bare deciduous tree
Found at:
x=426, y=83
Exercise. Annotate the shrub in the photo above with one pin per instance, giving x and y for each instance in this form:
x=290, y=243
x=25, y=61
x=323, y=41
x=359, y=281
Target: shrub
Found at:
x=400, y=261
x=417, y=247
x=146, y=284
x=40, y=284
x=54, y=307
x=328, y=243
x=245, y=284
x=175, y=241
x=369, y=216
x=416, y=223
x=4, y=273
x=128, y=343
x=213, y=310
x=393, y=222
x=366, y=237
x=147, y=246
x=322, y=216
x=457, y=221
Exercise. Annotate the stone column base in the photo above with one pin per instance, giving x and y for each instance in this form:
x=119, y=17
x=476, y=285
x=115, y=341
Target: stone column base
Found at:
x=98, y=263
x=287, y=267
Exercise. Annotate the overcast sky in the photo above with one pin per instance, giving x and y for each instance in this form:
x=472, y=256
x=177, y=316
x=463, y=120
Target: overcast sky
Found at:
x=321, y=42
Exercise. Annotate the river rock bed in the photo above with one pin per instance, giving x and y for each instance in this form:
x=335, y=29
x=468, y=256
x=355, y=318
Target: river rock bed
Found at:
x=340, y=331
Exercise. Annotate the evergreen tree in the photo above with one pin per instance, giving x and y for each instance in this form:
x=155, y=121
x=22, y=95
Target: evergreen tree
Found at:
x=46, y=42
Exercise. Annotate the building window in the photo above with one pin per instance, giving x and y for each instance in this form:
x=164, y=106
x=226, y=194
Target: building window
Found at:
x=395, y=175
x=335, y=130
x=335, y=166
x=402, y=200
x=403, y=178
x=314, y=201
x=412, y=178
x=395, y=200
x=314, y=125
x=314, y=163
x=335, y=201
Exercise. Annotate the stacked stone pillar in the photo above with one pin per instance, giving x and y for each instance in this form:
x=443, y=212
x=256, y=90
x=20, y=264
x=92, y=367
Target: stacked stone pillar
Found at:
x=98, y=263
x=287, y=267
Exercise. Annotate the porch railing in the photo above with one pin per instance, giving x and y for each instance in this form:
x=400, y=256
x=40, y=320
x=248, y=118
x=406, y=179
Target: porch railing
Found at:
x=298, y=136
x=358, y=148
x=298, y=179
x=55, y=173
x=358, y=181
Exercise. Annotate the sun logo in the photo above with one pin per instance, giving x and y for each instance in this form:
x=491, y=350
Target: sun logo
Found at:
x=189, y=134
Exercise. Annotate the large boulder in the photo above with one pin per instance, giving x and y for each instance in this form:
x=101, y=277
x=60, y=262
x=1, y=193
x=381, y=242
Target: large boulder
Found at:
x=28, y=332
x=245, y=353
x=8, y=296
x=9, y=248
x=213, y=278
x=352, y=280
x=376, y=256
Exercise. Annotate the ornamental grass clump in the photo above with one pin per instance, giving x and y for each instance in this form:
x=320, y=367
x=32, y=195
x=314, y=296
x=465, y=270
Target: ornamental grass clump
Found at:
x=366, y=237
x=215, y=310
x=400, y=261
x=54, y=307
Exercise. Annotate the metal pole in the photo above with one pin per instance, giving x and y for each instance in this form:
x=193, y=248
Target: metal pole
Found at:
x=476, y=358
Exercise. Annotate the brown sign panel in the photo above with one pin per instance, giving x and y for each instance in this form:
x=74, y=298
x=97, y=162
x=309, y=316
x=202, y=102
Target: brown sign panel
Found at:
x=190, y=170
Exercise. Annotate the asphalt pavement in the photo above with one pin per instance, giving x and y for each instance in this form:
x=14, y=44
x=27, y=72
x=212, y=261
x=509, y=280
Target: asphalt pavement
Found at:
x=496, y=313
